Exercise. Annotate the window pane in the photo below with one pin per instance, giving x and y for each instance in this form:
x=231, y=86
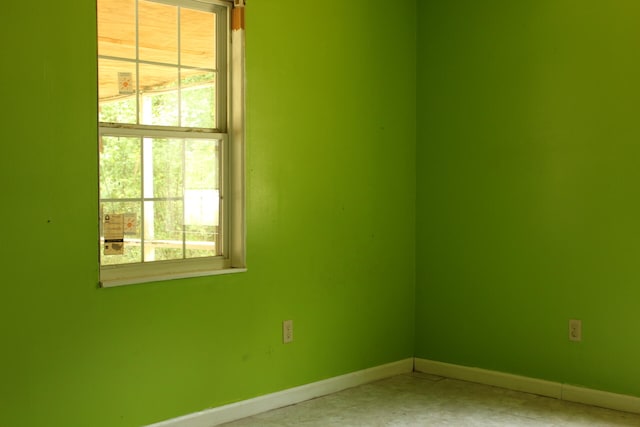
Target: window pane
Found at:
x=120, y=167
x=198, y=99
x=163, y=173
x=202, y=197
x=117, y=28
x=201, y=163
x=132, y=232
x=163, y=234
x=197, y=38
x=158, y=32
x=202, y=241
x=202, y=223
x=116, y=91
x=158, y=95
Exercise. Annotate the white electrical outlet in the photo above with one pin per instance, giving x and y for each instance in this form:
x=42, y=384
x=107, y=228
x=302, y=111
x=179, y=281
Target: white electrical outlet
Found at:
x=287, y=331
x=575, y=330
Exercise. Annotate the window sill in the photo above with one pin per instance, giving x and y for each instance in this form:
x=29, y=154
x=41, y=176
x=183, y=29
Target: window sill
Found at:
x=110, y=283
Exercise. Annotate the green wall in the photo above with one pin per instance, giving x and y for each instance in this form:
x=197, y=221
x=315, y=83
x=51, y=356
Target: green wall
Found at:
x=331, y=224
x=521, y=134
x=528, y=201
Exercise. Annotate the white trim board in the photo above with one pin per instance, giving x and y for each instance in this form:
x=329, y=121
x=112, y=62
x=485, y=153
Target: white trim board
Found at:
x=553, y=389
x=246, y=408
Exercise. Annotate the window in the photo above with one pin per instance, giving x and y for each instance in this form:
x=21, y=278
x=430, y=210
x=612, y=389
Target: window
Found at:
x=171, y=115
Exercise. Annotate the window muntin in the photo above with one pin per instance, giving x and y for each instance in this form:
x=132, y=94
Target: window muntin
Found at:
x=164, y=149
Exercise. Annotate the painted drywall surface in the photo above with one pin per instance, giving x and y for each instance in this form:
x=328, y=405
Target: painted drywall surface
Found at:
x=528, y=201
x=330, y=165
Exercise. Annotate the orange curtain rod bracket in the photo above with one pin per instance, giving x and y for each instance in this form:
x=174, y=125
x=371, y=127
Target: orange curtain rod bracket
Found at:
x=237, y=16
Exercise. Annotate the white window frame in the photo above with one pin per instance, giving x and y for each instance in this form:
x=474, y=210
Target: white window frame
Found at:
x=231, y=133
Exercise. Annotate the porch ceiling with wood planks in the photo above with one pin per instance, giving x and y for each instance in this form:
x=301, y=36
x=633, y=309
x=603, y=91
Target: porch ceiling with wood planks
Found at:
x=164, y=34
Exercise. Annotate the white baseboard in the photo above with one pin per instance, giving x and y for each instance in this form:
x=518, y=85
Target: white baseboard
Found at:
x=556, y=390
x=483, y=376
x=246, y=408
x=604, y=399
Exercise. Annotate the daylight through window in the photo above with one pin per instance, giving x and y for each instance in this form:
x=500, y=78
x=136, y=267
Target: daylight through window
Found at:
x=167, y=162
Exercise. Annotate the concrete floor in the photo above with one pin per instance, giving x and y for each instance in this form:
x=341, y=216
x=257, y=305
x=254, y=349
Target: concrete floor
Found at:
x=427, y=400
